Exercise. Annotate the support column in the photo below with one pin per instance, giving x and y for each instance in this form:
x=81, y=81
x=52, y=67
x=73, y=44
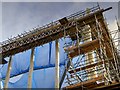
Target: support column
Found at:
x=57, y=65
x=8, y=73
x=31, y=68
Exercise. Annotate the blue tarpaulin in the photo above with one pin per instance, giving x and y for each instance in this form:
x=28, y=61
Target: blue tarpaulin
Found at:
x=44, y=66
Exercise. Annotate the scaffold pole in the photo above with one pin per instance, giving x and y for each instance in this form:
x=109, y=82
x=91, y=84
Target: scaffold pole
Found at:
x=8, y=73
x=31, y=68
x=57, y=65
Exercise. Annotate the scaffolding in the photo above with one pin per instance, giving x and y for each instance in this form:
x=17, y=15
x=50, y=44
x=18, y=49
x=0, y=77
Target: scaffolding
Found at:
x=101, y=63
x=98, y=58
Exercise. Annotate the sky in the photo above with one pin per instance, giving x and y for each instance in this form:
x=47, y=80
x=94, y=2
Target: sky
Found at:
x=59, y=0
x=18, y=17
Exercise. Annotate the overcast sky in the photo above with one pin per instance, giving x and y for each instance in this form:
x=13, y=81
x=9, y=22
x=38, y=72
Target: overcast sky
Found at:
x=18, y=17
x=59, y=0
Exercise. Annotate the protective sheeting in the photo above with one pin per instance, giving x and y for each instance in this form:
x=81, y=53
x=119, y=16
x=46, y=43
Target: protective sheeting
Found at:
x=44, y=57
x=44, y=66
x=44, y=78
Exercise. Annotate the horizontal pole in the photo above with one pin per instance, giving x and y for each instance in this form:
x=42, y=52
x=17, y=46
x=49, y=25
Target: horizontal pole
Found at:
x=85, y=82
x=89, y=66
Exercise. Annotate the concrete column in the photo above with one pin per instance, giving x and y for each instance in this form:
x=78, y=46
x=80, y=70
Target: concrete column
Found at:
x=31, y=69
x=8, y=73
x=57, y=65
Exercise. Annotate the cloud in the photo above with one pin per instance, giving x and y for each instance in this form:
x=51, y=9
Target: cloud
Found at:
x=23, y=16
x=0, y=21
x=60, y=0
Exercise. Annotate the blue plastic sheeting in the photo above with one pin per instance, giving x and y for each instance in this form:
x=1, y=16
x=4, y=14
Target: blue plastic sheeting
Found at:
x=44, y=66
x=44, y=78
x=44, y=58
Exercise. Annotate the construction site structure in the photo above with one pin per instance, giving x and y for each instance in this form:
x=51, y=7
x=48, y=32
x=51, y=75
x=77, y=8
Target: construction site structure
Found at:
x=98, y=63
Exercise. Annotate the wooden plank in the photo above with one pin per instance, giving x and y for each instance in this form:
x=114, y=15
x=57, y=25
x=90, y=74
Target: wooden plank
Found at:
x=85, y=82
x=84, y=48
x=89, y=66
x=115, y=86
x=87, y=47
x=84, y=45
x=105, y=38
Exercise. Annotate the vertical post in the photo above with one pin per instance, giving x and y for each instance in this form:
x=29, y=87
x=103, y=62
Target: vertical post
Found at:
x=31, y=69
x=95, y=57
x=8, y=73
x=57, y=65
